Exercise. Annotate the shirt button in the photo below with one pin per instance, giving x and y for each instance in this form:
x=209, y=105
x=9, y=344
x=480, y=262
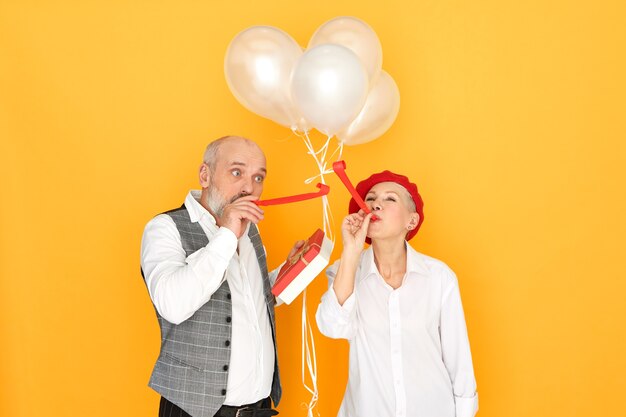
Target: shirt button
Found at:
x=228, y=319
x=227, y=343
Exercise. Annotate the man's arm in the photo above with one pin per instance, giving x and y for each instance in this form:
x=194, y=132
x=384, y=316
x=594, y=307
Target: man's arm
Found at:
x=179, y=284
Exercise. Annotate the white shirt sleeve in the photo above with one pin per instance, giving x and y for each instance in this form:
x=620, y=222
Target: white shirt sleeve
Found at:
x=456, y=349
x=334, y=320
x=179, y=284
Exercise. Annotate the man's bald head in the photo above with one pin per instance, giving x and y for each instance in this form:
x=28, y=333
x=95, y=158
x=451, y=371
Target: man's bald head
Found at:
x=211, y=154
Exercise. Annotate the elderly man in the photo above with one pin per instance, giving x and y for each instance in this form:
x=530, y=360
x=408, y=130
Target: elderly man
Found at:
x=205, y=268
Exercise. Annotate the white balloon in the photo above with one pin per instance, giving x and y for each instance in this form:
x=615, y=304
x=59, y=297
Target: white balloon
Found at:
x=258, y=66
x=355, y=35
x=329, y=87
x=378, y=113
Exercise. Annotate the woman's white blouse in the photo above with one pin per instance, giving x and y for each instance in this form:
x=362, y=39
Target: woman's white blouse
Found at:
x=409, y=350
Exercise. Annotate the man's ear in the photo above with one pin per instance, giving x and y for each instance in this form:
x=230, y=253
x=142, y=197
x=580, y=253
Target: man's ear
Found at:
x=415, y=218
x=205, y=176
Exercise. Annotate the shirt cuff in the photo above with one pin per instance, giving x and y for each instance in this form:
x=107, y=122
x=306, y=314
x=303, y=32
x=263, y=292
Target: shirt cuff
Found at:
x=216, y=255
x=466, y=407
x=345, y=310
x=227, y=238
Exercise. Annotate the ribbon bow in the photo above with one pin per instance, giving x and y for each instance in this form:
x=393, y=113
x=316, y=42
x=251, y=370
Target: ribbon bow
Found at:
x=299, y=255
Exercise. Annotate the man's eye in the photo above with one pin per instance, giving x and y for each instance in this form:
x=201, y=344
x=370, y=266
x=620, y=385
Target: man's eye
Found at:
x=390, y=199
x=369, y=199
x=236, y=173
x=259, y=178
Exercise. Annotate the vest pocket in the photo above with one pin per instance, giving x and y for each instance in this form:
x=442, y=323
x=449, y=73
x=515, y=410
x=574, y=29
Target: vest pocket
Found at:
x=178, y=361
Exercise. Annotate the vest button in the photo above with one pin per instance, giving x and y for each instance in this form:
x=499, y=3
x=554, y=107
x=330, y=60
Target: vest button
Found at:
x=225, y=367
x=223, y=392
x=228, y=296
x=227, y=343
x=228, y=319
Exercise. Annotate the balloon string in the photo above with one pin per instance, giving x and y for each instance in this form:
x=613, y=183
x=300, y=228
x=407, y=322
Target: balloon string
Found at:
x=338, y=148
x=309, y=359
x=325, y=149
x=321, y=162
x=321, y=165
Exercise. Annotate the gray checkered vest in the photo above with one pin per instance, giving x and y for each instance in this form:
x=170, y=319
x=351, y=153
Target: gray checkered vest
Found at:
x=192, y=368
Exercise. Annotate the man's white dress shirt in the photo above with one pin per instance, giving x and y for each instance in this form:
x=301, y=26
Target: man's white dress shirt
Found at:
x=179, y=285
x=409, y=349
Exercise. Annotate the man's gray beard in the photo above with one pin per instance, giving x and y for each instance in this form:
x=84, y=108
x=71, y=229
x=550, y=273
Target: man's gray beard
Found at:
x=215, y=201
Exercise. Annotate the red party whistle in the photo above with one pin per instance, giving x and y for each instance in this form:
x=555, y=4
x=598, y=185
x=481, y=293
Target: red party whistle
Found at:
x=324, y=189
x=340, y=169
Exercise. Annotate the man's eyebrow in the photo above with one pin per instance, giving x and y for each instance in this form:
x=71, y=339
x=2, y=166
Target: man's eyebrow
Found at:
x=243, y=164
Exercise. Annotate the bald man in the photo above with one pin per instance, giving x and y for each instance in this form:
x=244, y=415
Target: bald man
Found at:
x=205, y=269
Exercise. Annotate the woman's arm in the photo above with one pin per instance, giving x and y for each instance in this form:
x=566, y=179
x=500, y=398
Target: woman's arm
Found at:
x=336, y=320
x=353, y=233
x=456, y=349
x=335, y=315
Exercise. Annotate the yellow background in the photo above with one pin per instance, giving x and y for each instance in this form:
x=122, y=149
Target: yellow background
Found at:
x=511, y=122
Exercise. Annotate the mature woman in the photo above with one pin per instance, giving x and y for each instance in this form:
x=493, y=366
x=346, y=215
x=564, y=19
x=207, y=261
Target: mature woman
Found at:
x=400, y=310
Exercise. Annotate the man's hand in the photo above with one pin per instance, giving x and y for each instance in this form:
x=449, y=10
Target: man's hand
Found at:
x=239, y=213
x=296, y=248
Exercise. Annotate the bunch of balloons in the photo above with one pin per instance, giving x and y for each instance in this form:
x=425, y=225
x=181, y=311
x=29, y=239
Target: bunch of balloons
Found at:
x=336, y=85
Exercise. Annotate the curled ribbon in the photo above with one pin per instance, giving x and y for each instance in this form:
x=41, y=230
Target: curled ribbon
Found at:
x=324, y=190
x=340, y=169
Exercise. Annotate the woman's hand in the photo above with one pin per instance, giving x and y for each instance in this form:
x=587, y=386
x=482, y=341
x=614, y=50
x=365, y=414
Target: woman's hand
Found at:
x=354, y=231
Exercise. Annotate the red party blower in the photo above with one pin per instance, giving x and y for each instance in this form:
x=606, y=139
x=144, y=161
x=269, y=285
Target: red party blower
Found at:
x=340, y=169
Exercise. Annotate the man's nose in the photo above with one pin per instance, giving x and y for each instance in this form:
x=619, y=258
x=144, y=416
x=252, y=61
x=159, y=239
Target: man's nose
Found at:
x=247, y=187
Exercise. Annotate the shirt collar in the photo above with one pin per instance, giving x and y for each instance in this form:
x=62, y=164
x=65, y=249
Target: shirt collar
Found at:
x=414, y=262
x=195, y=209
x=368, y=264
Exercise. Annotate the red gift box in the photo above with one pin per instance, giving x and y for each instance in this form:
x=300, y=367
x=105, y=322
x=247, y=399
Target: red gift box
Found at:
x=299, y=270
